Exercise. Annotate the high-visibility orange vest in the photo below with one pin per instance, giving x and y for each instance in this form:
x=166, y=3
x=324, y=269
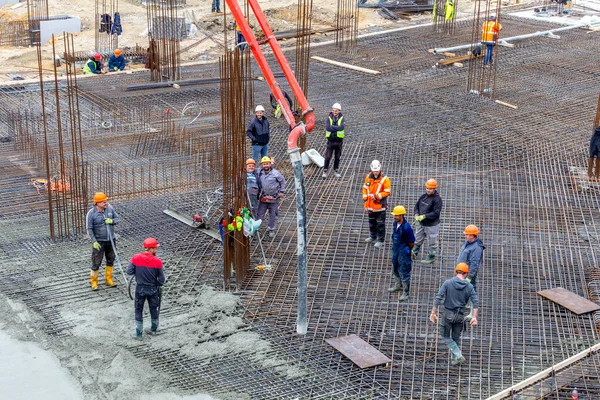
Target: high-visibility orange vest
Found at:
x=380, y=187
x=490, y=31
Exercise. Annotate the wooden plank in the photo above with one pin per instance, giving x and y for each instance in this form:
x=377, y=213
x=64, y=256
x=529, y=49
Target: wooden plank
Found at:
x=344, y=65
x=358, y=351
x=579, y=305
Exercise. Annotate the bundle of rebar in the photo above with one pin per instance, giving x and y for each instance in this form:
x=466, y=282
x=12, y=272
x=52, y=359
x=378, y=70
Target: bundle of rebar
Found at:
x=165, y=32
x=346, y=24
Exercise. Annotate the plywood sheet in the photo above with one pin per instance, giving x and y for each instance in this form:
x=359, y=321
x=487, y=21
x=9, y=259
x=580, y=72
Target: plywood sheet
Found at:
x=579, y=305
x=358, y=351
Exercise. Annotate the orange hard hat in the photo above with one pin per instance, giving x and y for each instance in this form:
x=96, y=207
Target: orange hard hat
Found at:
x=150, y=243
x=462, y=267
x=117, y=52
x=250, y=161
x=471, y=230
x=431, y=184
x=100, y=197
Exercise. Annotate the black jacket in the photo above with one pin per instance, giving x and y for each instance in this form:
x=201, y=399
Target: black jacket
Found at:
x=430, y=207
x=259, y=131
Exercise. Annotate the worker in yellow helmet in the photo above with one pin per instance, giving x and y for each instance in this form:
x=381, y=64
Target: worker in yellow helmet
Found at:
x=100, y=221
x=403, y=240
x=272, y=189
x=427, y=214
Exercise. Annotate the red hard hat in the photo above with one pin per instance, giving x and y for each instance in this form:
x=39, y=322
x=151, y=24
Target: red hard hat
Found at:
x=150, y=243
x=97, y=57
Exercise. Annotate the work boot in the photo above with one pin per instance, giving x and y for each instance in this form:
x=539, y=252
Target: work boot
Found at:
x=414, y=253
x=430, y=258
x=271, y=233
x=396, y=285
x=153, y=331
x=456, y=355
x=336, y=173
x=591, y=168
x=406, y=288
x=137, y=335
x=370, y=240
x=94, y=279
x=597, y=169
x=108, y=275
x=219, y=10
x=378, y=244
x=324, y=175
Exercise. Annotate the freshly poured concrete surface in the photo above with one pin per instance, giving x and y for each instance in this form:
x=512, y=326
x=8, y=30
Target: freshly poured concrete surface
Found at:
x=29, y=372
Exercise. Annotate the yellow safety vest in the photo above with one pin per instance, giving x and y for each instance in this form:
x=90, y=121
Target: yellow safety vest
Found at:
x=340, y=134
x=86, y=68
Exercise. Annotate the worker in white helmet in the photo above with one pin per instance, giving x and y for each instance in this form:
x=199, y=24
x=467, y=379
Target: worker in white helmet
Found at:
x=376, y=189
x=259, y=133
x=334, y=132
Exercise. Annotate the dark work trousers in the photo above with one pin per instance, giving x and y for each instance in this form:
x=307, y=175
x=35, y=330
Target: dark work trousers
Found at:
x=377, y=225
x=401, y=263
x=261, y=210
x=97, y=255
x=451, y=325
x=143, y=293
x=333, y=148
x=489, y=53
x=594, y=147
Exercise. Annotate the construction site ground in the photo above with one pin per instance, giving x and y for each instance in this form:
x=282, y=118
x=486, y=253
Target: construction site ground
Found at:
x=515, y=173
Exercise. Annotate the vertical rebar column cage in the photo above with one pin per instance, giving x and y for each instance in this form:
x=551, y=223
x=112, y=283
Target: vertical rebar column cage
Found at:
x=303, y=33
x=37, y=10
x=444, y=12
x=235, y=87
x=346, y=25
x=165, y=32
x=482, y=74
x=107, y=26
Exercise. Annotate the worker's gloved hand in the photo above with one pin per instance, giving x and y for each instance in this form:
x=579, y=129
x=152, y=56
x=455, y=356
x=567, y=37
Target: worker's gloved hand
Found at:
x=96, y=246
x=419, y=218
x=108, y=221
x=115, y=68
x=468, y=280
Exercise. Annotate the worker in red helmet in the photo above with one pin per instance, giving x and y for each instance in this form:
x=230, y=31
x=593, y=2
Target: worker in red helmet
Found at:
x=427, y=214
x=452, y=298
x=94, y=65
x=100, y=221
x=471, y=253
x=149, y=278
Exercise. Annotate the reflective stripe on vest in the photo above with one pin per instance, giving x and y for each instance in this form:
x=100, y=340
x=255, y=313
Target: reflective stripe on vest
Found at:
x=340, y=134
x=490, y=31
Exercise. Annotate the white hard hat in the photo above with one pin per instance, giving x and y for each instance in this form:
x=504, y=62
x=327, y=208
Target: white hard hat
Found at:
x=375, y=166
x=259, y=108
x=337, y=105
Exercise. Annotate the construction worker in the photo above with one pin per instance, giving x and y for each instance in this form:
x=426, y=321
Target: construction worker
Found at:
x=240, y=37
x=594, y=153
x=252, y=184
x=403, y=240
x=449, y=10
x=471, y=253
x=454, y=295
x=277, y=112
x=489, y=37
x=427, y=214
x=216, y=6
x=116, y=62
x=334, y=132
x=376, y=189
x=259, y=133
x=94, y=65
x=149, y=277
x=100, y=221
x=272, y=188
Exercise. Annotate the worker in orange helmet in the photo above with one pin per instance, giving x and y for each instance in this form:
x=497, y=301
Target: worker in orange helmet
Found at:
x=427, y=214
x=100, y=221
x=376, y=189
x=489, y=36
x=252, y=184
x=116, y=62
x=149, y=278
x=452, y=297
x=471, y=253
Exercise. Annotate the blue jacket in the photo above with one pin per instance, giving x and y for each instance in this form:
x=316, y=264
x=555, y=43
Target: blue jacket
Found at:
x=259, y=131
x=455, y=293
x=116, y=62
x=147, y=268
x=271, y=183
x=472, y=253
x=96, y=227
x=401, y=236
x=430, y=207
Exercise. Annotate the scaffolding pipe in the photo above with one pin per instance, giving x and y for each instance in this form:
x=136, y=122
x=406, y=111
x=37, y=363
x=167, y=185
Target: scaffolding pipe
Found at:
x=515, y=38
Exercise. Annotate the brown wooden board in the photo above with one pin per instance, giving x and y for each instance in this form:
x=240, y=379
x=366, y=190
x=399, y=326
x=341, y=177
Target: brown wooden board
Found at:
x=579, y=305
x=358, y=351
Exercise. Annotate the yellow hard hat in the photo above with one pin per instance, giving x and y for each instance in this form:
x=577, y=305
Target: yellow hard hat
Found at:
x=399, y=210
x=265, y=159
